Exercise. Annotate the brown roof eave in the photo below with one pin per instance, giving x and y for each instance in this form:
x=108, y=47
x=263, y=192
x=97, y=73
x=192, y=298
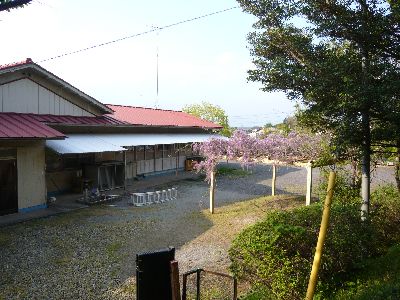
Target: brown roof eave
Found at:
x=130, y=126
x=31, y=138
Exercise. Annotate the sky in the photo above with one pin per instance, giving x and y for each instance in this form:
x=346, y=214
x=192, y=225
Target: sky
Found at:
x=202, y=60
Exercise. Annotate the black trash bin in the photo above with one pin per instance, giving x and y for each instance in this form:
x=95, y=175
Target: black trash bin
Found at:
x=153, y=278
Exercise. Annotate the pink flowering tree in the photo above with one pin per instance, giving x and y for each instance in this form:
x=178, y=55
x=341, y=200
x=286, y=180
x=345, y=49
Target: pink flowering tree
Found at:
x=295, y=147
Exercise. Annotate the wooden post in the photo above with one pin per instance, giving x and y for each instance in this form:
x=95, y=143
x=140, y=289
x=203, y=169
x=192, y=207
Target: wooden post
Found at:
x=273, y=179
x=212, y=191
x=175, y=285
x=162, y=158
x=176, y=161
x=135, y=159
x=321, y=238
x=309, y=183
x=124, y=154
x=154, y=158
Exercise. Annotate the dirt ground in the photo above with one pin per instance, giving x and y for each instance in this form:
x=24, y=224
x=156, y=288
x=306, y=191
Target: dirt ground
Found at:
x=90, y=253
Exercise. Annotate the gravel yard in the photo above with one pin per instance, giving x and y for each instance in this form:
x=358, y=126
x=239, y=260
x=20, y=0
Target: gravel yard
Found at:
x=90, y=253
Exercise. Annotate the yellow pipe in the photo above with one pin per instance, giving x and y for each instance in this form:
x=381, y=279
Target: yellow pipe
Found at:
x=321, y=238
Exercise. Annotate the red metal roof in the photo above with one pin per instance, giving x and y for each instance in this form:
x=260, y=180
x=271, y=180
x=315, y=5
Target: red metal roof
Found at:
x=14, y=64
x=75, y=120
x=158, y=117
x=24, y=126
x=17, y=125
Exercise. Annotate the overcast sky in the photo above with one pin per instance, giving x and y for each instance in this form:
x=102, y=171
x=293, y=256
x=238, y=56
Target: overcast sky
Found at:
x=202, y=60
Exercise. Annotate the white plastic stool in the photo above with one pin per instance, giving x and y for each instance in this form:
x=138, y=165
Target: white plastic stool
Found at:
x=174, y=193
x=169, y=194
x=158, y=197
x=151, y=197
x=139, y=199
x=164, y=196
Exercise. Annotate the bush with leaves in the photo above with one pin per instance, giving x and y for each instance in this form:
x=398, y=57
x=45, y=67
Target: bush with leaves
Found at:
x=385, y=214
x=277, y=253
x=344, y=192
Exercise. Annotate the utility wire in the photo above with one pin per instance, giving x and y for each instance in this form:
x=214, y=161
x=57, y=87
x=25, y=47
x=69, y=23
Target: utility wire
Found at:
x=140, y=34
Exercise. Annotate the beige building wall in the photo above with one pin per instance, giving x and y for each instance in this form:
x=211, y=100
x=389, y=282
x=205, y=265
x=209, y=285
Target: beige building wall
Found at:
x=26, y=96
x=31, y=175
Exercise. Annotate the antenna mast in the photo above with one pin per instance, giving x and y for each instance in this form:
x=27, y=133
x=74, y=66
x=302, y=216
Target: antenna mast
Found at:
x=157, y=67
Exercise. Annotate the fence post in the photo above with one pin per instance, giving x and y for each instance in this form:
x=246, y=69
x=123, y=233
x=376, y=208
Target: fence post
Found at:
x=198, y=285
x=175, y=285
x=309, y=183
x=273, y=179
x=212, y=191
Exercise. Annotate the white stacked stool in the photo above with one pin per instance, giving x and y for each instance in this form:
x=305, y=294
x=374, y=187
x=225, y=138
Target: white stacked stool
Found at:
x=138, y=199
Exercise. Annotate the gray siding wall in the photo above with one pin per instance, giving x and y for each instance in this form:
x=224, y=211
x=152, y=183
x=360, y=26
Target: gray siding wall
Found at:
x=26, y=96
x=162, y=164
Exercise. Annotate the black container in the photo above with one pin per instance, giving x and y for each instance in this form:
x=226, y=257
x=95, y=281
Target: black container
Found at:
x=153, y=278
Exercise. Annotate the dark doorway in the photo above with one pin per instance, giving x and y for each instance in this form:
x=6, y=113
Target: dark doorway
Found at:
x=8, y=186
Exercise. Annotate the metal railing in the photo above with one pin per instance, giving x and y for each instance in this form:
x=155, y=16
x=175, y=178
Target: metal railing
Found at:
x=198, y=282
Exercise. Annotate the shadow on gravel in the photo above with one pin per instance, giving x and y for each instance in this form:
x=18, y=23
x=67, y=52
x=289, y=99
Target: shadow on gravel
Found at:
x=86, y=254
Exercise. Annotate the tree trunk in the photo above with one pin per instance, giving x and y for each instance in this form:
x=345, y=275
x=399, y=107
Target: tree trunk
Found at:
x=366, y=126
x=365, y=167
x=355, y=174
x=397, y=166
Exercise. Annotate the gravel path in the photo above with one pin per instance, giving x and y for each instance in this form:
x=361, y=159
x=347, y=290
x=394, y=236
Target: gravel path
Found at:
x=90, y=253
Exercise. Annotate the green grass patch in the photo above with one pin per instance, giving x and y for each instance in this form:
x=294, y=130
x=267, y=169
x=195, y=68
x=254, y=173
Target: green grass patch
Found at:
x=232, y=172
x=63, y=261
x=254, y=207
x=113, y=250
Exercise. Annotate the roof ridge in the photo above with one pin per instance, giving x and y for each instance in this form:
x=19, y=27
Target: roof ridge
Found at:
x=19, y=63
x=142, y=107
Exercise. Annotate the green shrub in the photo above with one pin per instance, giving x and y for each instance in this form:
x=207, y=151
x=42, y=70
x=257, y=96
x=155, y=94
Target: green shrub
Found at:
x=344, y=192
x=258, y=293
x=278, y=252
x=380, y=279
x=276, y=255
x=385, y=214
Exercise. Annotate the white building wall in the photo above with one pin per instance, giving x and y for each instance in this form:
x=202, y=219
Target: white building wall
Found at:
x=26, y=96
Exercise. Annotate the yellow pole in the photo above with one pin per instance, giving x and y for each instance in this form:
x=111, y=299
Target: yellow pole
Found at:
x=321, y=238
